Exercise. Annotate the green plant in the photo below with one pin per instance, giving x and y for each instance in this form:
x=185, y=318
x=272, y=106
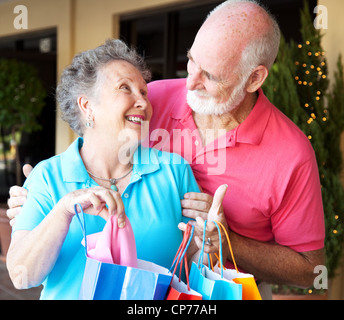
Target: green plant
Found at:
x=299, y=86
x=21, y=100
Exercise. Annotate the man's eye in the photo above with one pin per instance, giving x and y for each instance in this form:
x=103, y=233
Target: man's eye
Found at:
x=209, y=76
x=124, y=87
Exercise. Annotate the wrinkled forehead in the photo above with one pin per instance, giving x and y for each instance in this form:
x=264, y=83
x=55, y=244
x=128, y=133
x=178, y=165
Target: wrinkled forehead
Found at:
x=116, y=70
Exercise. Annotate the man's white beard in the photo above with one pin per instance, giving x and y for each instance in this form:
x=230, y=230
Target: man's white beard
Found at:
x=209, y=106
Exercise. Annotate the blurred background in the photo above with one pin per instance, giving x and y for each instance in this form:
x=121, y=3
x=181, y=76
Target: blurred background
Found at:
x=46, y=34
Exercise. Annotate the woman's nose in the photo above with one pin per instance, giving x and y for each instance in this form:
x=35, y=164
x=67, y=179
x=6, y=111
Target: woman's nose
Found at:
x=141, y=102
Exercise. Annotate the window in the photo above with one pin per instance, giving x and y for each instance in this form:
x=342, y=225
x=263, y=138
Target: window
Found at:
x=163, y=37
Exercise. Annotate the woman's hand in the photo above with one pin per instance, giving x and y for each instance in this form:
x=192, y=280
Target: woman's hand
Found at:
x=97, y=201
x=37, y=250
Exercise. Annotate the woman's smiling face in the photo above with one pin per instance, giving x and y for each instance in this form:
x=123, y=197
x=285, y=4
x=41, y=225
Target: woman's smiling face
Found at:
x=121, y=100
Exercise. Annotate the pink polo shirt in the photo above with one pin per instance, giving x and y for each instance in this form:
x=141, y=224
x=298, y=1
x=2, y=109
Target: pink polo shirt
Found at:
x=273, y=193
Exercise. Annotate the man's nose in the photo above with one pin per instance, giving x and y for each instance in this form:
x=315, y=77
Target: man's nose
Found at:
x=195, y=78
x=195, y=81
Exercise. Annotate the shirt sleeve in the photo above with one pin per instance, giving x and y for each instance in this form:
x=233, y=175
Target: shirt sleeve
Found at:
x=189, y=184
x=299, y=222
x=39, y=202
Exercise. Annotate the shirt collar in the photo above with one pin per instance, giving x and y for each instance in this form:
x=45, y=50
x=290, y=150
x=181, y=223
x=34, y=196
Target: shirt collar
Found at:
x=146, y=161
x=73, y=169
x=179, y=112
x=252, y=129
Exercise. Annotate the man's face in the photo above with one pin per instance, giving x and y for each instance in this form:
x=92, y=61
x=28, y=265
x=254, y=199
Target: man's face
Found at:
x=213, y=92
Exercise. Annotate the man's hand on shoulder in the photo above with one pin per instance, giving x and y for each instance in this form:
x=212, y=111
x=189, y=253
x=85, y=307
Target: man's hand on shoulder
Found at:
x=17, y=197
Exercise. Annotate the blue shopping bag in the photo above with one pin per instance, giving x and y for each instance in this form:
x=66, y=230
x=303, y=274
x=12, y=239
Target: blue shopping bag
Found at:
x=110, y=281
x=105, y=281
x=210, y=285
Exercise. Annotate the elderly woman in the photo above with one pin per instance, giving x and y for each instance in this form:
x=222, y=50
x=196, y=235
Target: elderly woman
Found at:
x=103, y=97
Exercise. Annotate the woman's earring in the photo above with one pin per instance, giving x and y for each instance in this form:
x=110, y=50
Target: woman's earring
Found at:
x=89, y=122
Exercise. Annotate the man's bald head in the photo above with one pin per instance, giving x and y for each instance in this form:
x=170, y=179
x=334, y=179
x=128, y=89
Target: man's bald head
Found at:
x=241, y=30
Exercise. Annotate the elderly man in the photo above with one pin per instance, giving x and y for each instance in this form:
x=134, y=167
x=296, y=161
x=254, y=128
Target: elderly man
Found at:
x=273, y=204
x=221, y=122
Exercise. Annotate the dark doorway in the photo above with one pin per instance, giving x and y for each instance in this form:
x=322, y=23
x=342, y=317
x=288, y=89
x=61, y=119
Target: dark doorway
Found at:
x=39, y=50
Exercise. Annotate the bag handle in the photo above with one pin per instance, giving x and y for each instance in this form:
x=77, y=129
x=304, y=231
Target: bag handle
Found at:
x=203, y=243
x=82, y=223
x=220, y=258
x=183, y=246
x=180, y=256
x=229, y=244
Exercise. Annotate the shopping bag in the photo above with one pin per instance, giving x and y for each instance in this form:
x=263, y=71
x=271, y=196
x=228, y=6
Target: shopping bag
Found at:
x=111, y=281
x=210, y=284
x=178, y=290
x=249, y=286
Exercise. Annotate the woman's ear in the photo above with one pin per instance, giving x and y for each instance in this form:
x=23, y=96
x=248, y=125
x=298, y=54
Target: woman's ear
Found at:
x=84, y=106
x=257, y=78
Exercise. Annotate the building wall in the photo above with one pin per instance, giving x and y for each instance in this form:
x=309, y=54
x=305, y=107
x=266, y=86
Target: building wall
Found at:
x=81, y=25
x=84, y=24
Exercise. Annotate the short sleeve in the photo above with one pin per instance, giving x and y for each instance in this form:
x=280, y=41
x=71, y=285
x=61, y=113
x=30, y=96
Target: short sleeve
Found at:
x=39, y=202
x=299, y=222
x=189, y=184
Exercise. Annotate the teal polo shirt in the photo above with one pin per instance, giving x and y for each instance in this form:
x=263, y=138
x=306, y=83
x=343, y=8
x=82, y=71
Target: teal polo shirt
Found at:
x=152, y=202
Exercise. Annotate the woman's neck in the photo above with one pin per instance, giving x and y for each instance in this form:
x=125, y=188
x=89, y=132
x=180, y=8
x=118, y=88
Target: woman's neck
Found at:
x=105, y=161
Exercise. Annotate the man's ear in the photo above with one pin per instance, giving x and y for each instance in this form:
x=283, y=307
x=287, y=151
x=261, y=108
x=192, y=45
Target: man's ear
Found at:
x=257, y=78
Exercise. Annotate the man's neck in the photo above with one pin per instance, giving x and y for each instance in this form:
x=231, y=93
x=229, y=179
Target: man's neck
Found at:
x=209, y=125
